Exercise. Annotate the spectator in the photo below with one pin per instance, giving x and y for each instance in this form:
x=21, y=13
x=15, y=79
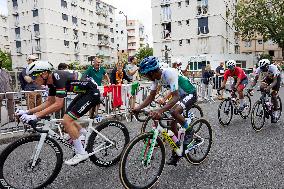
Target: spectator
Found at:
x=5, y=86
x=33, y=98
x=118, y=74
x=132, y=73
x=63, y=66
x=98, y=74
x=219, y=77
x=206, y=77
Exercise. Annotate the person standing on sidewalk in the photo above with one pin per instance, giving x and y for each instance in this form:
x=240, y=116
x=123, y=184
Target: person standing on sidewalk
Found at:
x=206, y=76
x=98, y=73
x=33, y=98
x=219, y=77
x=5, y=86
x=132, y=73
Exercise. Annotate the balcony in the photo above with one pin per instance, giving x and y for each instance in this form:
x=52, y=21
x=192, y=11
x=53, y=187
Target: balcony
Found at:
x=165, y=19
x=18, y=37
x=74, y=2
x=75, y=26
x=202, y=10
x=76, y=38
x=15, y=10
x=19, y=50
x=37, y=48
x=17, y=23
x=77, y=50
x=165, y=2
x=101, y=11
x=37, y=34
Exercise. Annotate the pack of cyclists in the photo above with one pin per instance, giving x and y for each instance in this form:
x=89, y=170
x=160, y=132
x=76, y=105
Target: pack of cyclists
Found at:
x=183, y=95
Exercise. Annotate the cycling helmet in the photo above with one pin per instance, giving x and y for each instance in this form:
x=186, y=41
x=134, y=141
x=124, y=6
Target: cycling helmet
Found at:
x=148, y=64
x=263, y=63
x=231, y=64
x=38, y=67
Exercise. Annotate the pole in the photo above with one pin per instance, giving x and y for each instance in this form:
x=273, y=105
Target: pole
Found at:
x=126, y=20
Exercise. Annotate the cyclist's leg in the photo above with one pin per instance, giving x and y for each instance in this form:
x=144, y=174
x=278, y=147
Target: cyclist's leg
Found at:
x=274, y=101
x=240, y=90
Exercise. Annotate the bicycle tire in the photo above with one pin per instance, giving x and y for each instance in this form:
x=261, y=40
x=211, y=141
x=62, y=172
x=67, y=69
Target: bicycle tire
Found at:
x=242, y=113
x=33, y=138
x=230, y=109
x=122, y=166
x=189, y=156
x=91, y=142
x=257, y=103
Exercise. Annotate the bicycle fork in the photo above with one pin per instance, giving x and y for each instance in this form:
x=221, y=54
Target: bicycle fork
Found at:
x=38, y=148
x=150, y=149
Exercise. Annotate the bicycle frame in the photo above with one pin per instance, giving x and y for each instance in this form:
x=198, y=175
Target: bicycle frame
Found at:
x=159, y=129
x=60, y=138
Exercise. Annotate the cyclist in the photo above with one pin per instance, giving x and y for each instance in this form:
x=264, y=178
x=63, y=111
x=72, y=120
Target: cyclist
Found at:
x=240, y=80
x=59, y=83
x=272, y=80
x=183, y=97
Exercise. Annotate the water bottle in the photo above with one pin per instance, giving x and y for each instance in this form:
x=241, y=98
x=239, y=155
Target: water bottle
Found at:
x=181, y=134
x=173, y=136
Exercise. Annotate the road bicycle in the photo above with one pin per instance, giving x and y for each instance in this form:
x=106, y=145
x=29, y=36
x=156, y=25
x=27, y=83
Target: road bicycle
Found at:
x=263, y=109
x=230, y=106
x=143, y=159
x=35, y=161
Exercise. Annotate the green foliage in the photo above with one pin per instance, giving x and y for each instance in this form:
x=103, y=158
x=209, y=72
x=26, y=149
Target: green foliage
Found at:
x=266, y=56
x=144, y=52
x=7, y=60
x=76, y=66
x=264, y=17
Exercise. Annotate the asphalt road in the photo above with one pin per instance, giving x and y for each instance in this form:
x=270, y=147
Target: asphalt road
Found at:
x=239, y=158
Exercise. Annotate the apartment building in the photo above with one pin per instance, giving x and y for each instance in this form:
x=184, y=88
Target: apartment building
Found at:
x=60, y=30
x=4, y=34
x=258, y=46
x=191, y=28
x=131, y=36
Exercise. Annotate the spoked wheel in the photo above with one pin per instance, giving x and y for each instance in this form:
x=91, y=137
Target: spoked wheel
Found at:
x=195, y=113
x=257, y=116
x=17, y=171
x=225, y=112
x=117, y=133
x=247, y=103
x=203, y=141
x=134, y=172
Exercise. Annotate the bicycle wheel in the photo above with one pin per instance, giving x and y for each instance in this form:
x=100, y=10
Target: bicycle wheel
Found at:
x=195, y=113
x=133, y=172
x=16, y=160
x=203, y=139
x=227, y=110
x=247, y=102
x=257, y=116
x=114, y=131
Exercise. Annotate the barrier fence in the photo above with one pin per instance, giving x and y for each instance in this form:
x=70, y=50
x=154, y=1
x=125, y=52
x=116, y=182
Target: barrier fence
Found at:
x=115, y=101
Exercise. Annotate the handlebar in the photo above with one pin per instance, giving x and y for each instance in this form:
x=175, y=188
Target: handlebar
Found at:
x=33, y=124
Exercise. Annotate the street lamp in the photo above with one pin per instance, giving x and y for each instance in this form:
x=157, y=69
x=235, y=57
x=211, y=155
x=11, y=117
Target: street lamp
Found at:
x=120, y=12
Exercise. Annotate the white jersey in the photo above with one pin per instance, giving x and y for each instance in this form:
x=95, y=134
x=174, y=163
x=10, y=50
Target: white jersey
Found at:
x=272, y=71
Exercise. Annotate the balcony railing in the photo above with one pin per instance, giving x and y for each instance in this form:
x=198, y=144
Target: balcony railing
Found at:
x=17, y=23
x=19, y=50
x=18, y=37
x=37, y=48
x=37, y=34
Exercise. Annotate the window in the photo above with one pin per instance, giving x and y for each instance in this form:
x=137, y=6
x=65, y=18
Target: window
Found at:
x=116, y=31
x=166, y=13
x=186, y=2
x=121, y=32
x=15, y=3
x=116, y=25
x=260, y=42
x=84, y=45
x=91, y=13
x=187, y=22
x=247, y=43
x=110, y=10
x=66, y=43
x=63, y=4
x=17, y=31
x=83, y=22
x=36, y=27
x=92, y=36
x=179, y=4
x=111, y=20
x=112, y=40
x=82, y=10
x=35, y=13
x=65, y=30
x=18, y=44
x=74, y=20
x=92, y=24
x=180, y=42
x=179, y=23
x=111, y=30
x=188, y=41
x=203, y=25
x=271, y=53
x=84, y=34
x=64, y=17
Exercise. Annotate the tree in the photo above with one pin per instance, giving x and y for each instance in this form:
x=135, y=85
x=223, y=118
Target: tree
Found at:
x=7, y=61
x=144, y=52
x=265, y=17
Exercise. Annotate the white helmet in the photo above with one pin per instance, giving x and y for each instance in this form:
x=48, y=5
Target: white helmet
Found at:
x=263, y=63
x=38, y=67
x=231, y=63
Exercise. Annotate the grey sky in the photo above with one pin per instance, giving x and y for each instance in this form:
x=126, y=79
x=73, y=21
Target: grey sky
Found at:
x=135, y=9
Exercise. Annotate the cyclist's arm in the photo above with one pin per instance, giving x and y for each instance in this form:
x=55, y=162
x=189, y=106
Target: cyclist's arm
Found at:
x=168, y=95
x=50, y=100
x=255, y=81
x=171, y=103
x=238, y=82
x=226, y=75
x=273, y=84
x=56, y=106
x=148, y=100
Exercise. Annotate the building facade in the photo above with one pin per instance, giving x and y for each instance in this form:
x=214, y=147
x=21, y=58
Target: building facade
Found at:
x=61, y=31
x=186, y=28
x=258, y=46
x=135, y=34
x=4, y=34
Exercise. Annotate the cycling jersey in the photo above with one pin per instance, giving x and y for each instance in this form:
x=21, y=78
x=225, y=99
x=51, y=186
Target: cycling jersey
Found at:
x=272, y=71
x=68, y=81
x=236, y=73
x=172, y=79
